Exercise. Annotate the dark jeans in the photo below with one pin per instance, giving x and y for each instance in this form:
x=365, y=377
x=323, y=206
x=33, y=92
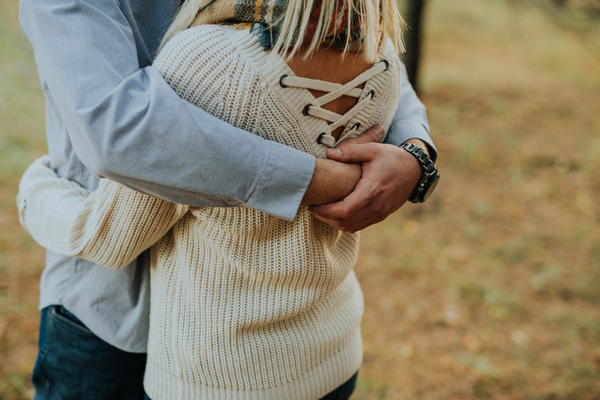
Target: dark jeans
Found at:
x=73, y=363
x=343, y=392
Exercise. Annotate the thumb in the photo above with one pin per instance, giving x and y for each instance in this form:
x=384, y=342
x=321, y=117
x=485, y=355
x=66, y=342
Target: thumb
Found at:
x=373, y=135
x=353, y=153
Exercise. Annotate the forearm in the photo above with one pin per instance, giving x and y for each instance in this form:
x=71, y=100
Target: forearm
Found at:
x=331, y=182
x=110, y=226
x=125, y=122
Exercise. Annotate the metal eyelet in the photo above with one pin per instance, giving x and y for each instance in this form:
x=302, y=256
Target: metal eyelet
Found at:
x=306, y=109
x=387, y=64
x=320, y=138
x=281, y=82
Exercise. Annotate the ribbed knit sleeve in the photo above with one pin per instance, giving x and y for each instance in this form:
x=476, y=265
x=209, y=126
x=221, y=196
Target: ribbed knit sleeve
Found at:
x=110, y=226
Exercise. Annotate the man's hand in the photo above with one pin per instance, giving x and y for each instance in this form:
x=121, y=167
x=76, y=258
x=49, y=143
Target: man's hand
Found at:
x=334, y=180
x=389, y=176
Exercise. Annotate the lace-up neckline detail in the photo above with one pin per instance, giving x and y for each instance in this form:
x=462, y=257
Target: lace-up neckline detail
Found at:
x=333, y=92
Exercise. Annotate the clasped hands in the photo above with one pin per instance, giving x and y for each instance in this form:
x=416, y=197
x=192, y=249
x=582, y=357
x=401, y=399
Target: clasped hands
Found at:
x=362, y=182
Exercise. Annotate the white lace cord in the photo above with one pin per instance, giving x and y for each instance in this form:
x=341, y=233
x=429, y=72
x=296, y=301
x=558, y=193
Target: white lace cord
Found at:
x=315, y=84
x=335, y=90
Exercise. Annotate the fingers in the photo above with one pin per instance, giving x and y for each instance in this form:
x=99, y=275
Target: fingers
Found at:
x=338, y=215
x=373, y=135
x=355, y=153
x=355, y=212
x=389, y=175
x=345, y=228
x=353, y=223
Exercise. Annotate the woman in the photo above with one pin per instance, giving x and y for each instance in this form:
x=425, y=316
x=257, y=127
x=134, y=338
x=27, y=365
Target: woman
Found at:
x=244, y=305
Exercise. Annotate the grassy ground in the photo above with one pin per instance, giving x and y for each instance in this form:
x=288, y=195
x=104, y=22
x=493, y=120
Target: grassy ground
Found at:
x=489, y=290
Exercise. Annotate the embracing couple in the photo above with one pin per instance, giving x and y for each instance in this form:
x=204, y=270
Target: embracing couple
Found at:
x=210, y=164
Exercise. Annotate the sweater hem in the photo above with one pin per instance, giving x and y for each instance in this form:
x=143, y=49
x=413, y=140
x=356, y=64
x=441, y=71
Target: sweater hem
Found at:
x=316, y=383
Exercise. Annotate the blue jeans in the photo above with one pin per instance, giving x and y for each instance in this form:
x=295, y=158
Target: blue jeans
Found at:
x=73, y=363
x=343, y=392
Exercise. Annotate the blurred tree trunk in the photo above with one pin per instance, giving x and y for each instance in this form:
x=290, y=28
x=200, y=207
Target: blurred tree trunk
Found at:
x=412, y=57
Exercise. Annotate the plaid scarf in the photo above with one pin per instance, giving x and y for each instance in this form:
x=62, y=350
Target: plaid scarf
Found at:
x=264, y=19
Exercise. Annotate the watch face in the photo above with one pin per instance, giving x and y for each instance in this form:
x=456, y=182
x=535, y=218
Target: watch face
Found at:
x=434, y=181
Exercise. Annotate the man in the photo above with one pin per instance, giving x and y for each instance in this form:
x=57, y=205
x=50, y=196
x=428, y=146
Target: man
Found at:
x=109, y=113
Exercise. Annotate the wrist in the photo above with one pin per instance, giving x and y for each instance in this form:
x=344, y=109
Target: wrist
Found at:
x=421, y=144
x=429, y=174
x=331, y=182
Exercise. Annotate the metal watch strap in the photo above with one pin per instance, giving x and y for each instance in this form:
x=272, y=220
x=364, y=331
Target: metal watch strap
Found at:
x=429, y=175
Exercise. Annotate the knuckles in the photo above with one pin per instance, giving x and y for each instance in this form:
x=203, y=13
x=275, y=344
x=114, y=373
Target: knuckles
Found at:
x=345, y=214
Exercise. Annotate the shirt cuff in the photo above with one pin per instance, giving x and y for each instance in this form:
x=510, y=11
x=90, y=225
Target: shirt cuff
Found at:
x=408, y=129
x=284, y=181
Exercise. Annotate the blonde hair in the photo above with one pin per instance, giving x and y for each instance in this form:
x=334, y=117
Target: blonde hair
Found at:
x=378, y=19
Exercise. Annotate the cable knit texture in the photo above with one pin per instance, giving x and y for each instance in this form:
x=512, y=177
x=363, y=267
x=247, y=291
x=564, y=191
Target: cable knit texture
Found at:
x=244, y=305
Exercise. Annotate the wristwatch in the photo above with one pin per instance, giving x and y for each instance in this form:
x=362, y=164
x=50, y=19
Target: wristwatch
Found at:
x=430, y=176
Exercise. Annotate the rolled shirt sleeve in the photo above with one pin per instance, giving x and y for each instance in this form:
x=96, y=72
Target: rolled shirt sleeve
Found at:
x=108, y=109
x=410, y=119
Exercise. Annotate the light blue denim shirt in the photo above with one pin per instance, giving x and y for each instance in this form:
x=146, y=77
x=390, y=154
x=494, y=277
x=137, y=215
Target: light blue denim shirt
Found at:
x=109, y=113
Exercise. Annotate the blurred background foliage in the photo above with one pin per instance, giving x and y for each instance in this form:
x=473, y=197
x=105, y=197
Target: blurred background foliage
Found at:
x=578, y=16
x=491, y=289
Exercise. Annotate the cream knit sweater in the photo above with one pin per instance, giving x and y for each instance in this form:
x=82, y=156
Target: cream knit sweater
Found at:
x=244, y=305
